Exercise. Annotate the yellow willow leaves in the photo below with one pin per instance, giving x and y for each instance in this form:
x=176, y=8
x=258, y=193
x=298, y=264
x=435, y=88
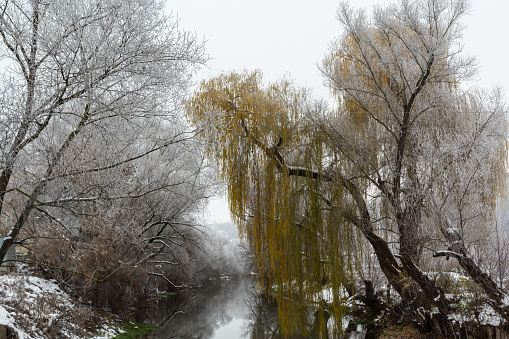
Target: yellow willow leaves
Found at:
x=254, y=133
x=374, y=72
x=231, y=104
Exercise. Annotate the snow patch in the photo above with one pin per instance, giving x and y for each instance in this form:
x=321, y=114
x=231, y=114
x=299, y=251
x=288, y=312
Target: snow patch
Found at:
x=37, y=308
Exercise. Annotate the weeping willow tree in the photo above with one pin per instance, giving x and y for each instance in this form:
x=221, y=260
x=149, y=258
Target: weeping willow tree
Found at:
x=272, y=159
x=406, y=153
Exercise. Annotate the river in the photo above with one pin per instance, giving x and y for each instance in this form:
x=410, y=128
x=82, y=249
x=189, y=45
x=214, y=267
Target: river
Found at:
x=220, y=309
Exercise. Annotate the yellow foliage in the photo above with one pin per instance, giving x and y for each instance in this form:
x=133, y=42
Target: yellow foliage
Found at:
x=250, y=128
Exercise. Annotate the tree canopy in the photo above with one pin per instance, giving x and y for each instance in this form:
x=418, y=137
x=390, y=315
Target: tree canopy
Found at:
x=95, y=153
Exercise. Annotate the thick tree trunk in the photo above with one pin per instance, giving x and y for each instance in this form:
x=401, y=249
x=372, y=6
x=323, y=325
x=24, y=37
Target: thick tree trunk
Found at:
x=433, y=294
x=416, y=291
x=387, y=263
x=408, y=225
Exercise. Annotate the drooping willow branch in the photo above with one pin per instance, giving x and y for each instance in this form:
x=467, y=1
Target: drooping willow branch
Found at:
x=385, y=256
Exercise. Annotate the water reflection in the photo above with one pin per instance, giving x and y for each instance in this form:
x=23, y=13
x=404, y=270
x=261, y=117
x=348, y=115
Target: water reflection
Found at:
x=219, y=309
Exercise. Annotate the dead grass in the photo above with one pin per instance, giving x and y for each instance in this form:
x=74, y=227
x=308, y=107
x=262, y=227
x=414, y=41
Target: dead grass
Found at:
x=406, y=332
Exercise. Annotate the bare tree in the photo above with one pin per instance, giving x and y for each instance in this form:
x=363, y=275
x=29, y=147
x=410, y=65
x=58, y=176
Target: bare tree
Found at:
x=88, y=88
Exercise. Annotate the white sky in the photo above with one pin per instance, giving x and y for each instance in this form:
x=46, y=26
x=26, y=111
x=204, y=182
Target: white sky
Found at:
x=290, y=37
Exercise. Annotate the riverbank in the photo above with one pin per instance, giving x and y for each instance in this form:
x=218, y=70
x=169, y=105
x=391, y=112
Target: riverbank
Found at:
x=32, y=307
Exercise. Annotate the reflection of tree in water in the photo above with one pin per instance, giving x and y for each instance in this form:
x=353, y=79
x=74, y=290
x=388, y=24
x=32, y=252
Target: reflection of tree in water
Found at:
x=264, y=322
x=263, y=319
x=198, y=312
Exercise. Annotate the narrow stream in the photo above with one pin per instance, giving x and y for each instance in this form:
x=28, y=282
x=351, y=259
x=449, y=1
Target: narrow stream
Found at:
x=219, y=309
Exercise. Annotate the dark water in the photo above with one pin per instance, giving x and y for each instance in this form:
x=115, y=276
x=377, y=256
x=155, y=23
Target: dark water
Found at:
x=219, y=309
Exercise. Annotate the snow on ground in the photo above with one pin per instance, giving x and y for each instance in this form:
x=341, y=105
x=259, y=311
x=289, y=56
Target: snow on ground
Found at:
x=37, y=308
x=480, y=314
x=108, y=332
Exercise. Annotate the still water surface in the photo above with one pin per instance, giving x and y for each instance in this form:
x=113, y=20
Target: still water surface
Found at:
x=219, y=309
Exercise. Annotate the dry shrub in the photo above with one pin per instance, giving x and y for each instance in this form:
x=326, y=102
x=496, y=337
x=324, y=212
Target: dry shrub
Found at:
x=121, y=291
x=98, y=264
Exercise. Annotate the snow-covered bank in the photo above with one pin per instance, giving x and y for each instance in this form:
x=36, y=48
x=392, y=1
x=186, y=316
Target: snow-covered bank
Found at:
x=36, y=308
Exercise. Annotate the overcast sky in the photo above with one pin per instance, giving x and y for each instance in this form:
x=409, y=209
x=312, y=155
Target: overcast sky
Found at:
x=290, y=37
